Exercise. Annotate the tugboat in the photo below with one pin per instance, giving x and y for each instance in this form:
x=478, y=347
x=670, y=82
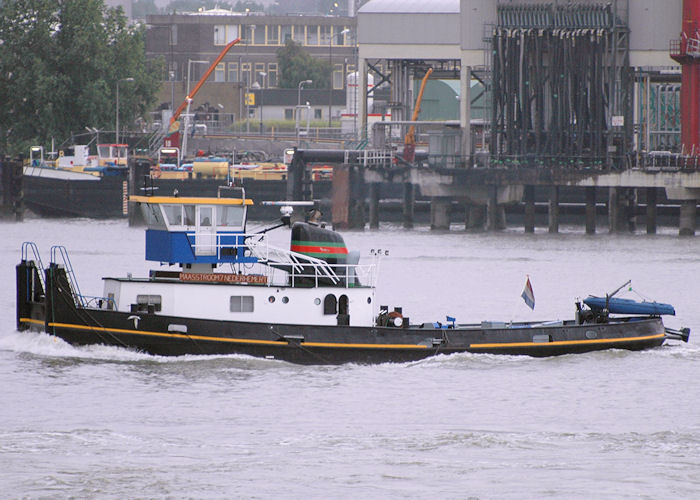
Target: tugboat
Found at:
x=311, y=303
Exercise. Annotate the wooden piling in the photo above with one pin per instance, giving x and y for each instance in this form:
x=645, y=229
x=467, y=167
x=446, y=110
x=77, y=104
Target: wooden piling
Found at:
x=554, y=209
x=374, y=196
x=590, y=209
x=651, y=210
x=409, y=198
x=686, y=226
x=529, y=198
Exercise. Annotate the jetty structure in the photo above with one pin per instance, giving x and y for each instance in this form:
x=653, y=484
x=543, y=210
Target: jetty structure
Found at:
x=587, y=97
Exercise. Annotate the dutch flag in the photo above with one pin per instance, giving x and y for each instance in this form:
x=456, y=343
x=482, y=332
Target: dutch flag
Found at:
x=528, y=295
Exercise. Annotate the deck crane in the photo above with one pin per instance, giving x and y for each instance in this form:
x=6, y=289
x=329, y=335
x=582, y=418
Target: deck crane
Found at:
x=172, y=139
x=409, y=147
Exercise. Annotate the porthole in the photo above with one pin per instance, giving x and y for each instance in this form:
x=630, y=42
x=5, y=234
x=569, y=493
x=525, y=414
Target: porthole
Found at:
x=285, y=300
x=317, y=301
x=271, y=299
x=369, y=300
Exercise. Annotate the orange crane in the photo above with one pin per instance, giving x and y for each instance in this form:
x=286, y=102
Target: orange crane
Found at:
x=174, y=125
x=409, y=145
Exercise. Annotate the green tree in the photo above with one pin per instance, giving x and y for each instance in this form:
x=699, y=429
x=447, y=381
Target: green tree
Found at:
x=59, y=65
x=296, y=65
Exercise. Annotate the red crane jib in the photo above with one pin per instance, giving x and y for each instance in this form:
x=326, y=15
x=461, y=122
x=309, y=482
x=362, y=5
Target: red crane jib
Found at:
x=201, y=81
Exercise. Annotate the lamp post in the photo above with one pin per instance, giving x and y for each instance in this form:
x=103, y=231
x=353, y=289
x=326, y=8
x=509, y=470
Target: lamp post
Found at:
x=116, y=127
x=262, y=90
x=251, y=33
x=190, y=62
x=330, y=81
x=296, y=113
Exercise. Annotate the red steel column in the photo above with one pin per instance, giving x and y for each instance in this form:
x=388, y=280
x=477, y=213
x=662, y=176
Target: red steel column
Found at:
x=690, y=81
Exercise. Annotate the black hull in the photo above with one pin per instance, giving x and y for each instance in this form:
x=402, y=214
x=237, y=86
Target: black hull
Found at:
x=50, y=197
x=305, y=344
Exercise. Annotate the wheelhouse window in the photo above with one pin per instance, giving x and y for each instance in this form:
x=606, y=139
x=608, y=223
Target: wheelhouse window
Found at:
x=230, y=217
x=179, y=215
x=205, y=215
x=242, y=303
x=173, y=213
x=143, y=301
x=153, y=216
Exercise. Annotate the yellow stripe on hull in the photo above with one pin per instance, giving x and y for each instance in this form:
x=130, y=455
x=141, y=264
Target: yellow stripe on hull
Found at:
x=232, y=340
x=30, y=320
x=565, y=342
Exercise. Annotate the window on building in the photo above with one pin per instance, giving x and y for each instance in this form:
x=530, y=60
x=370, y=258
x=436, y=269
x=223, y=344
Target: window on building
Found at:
x=318, y=114
x=232, y=72
x=337, y=76
x=288, y=113
x=312, y=35
x=260, y=68
x=300, y=34
x=220, y=72
x=248, y=30
x=343, y=39
x=272, y=75
x=273, y=34
x=259, y=35
x=173, y=34
x=225, y=33
x=245, y=73
x=242, y=303
x=285, y=34
x=324, y=34
x=219, y=34
x=143, y=301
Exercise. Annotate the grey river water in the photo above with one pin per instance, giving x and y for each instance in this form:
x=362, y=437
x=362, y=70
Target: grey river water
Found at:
x=104, y=422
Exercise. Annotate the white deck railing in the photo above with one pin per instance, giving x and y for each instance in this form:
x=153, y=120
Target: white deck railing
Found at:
x=285, y=267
